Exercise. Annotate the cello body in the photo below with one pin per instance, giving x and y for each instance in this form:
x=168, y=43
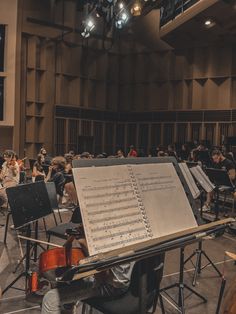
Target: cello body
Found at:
x=53, y=263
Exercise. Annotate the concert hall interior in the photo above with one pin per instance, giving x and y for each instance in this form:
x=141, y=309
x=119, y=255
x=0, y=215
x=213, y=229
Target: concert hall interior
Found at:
x=118, y=156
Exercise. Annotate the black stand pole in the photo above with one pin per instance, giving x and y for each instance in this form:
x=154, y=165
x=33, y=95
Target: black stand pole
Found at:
x=33, y=250
x=25, y=273
x=220, y=298
x=181, y=287
x=199, y=252
x=216, y=203
x=143, y=268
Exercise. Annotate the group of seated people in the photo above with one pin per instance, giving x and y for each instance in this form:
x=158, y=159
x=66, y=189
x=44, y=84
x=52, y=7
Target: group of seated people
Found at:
x=59, y=170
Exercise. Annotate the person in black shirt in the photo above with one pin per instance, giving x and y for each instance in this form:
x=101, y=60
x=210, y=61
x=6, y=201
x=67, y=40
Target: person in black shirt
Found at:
x=221, y=162
x=184, y=152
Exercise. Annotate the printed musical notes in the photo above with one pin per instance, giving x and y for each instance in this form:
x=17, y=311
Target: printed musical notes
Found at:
x=189, y=179
x=128, y=204
x=202, y=179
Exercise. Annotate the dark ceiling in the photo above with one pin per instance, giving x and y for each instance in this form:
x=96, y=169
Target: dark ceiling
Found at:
x=194, y=32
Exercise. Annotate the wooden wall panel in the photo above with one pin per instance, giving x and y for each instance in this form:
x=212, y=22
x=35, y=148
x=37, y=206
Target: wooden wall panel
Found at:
x=98, y=137
x=168, y=134
x=156, y=136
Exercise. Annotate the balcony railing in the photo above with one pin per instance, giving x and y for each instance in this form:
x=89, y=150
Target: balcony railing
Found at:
x=173, y=8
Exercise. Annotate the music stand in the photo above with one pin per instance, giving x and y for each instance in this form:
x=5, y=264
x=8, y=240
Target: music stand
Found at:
x=135, y=161
x=222, y=181
x=28, y=203
x=191, y=164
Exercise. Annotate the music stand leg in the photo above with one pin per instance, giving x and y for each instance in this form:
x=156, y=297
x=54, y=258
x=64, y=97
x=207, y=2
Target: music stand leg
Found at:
x=198, y=263
x=25, y=273
x=143, y=287
x=35, y=244
x=222, y=289
x=181, y=287
x=216, y=203
x=211, y=263
x=161, y=304
x=13, y=282
x=19, y=263
x=201, y=202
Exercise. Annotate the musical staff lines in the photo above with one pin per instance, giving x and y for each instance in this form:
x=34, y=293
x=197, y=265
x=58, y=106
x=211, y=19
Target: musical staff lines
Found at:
x=127, y=204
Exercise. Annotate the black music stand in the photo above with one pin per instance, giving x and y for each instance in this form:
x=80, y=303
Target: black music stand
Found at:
x=221, y=180
x=28, y=203
x=110, y=162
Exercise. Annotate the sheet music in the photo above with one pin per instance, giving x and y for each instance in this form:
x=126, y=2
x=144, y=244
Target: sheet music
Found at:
x=111, y=210
x=165, y=201
x=128, y=204
x=202, y=179
x=189, y=179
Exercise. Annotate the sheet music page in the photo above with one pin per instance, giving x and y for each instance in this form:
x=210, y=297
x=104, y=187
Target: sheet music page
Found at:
x=202, y=179
x=165, y=202
x=127, y=204
x=189, y=179
x=110, y=206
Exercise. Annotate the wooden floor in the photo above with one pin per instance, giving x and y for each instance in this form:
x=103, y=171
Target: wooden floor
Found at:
x=208, y=283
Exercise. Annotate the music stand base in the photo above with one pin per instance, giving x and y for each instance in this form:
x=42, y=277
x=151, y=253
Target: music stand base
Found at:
x=11, y=285
x=25, y=273
x=199, y=252
x=181, y=287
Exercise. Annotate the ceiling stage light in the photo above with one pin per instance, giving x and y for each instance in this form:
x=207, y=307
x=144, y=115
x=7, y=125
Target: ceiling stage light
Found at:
x=88, y=27
x=208, y=22
x=136, y=9
x=121, y=19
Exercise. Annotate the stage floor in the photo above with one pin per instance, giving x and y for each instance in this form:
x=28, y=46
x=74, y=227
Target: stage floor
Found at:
x=208, y=283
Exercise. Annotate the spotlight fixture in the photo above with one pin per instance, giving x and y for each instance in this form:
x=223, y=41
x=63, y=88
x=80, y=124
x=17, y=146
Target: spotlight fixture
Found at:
x=208, y=22
x=88, y=27
x=121, y=19
x=121, y=5
x=136, y=8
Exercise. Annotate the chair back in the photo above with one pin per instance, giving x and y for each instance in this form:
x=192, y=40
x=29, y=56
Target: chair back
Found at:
x=51, y=189
x=152, y=268
x=128, y=302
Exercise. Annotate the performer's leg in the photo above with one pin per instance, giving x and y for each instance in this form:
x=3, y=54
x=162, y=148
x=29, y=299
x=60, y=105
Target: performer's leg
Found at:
x=80, y=290
x=3, y=197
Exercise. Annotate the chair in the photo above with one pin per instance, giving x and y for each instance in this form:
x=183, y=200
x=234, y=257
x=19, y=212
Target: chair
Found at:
x=143, y=292
x=51, y=189
x=60, y=230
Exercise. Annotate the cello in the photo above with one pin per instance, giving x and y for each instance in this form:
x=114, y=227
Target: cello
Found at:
x=54, y=262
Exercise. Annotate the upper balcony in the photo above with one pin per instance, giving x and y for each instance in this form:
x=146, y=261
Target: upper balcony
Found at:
x=190, y=22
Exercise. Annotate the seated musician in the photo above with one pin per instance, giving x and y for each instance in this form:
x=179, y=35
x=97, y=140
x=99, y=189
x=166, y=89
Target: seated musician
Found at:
x=57, y=174
x=38, y=171
x=113, y=282
x=221, y=162
x=9, y=176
